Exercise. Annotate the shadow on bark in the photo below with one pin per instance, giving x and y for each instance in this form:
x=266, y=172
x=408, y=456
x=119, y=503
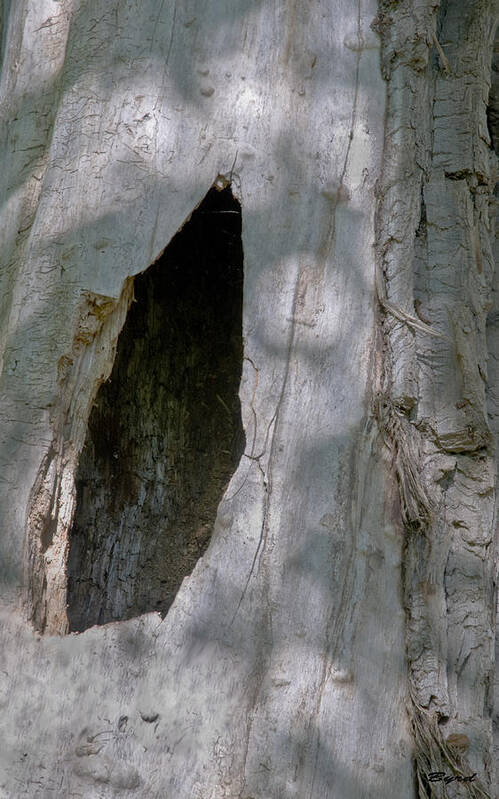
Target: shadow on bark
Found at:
x=165, y=434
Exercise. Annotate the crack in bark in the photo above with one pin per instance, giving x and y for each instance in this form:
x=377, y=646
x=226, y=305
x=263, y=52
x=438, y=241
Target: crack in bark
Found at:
x=267, y=473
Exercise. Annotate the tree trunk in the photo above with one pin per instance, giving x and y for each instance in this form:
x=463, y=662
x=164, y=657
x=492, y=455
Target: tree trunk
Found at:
x=249, y=399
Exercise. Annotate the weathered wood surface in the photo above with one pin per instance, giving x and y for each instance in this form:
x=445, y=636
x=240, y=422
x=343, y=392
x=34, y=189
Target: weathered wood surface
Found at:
x=434, y=250
x=280, y=670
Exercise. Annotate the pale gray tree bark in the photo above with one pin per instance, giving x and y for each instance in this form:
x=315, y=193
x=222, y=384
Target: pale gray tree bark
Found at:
x=248, y=547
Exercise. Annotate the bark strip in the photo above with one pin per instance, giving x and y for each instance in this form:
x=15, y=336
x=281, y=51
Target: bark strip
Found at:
x=433, y=257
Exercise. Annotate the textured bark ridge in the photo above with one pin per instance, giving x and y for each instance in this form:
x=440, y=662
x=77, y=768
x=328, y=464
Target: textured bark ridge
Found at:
x=165, y=433
x=435, y=272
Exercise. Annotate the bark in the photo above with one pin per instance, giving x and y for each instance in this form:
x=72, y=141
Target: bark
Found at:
x=435, y=258
x=313, y=616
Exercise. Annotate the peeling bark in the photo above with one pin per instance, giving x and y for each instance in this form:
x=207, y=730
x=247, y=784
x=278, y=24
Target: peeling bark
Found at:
x=434, y=253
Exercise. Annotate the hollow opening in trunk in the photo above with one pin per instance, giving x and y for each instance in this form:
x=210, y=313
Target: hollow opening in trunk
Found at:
x=165, y=434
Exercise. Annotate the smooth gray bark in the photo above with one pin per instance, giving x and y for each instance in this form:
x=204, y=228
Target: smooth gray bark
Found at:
x=339, y=629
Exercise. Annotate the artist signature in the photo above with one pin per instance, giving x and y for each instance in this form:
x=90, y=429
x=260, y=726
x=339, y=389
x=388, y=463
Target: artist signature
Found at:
x=441, y=776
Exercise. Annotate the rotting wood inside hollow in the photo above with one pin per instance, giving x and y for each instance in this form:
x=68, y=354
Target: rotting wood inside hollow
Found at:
x=165, y=434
